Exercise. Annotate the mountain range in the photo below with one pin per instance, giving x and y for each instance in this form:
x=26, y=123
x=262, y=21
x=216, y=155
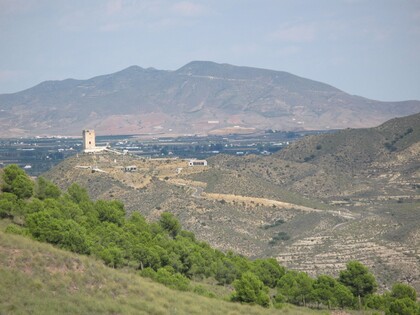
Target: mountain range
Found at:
x=199, y=98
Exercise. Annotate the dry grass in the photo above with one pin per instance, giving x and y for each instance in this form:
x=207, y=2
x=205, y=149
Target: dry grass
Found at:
x=40, y=279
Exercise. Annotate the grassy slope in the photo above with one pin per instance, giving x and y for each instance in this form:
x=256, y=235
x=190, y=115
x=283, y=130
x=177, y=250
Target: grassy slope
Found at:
x=37, y=278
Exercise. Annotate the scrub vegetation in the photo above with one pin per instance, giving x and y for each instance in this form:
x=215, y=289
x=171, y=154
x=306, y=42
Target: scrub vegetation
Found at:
x=160, y=250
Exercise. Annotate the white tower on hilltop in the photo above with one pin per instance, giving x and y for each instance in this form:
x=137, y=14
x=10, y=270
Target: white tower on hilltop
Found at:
x=89, y=140
x=89, y=144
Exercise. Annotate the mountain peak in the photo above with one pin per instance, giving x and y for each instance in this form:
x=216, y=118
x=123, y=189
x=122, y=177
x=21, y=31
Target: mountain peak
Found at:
x=202, y=67
x=139, y=100
x=132, y=69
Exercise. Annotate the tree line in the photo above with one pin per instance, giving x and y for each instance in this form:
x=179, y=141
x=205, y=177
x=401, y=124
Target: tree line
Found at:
x=168, y=254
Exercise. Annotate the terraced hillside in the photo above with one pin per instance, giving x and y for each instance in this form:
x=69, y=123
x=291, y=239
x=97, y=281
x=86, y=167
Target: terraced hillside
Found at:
x=323, y=201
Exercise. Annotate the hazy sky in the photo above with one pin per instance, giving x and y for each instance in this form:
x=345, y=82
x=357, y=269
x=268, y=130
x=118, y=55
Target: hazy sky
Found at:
x=365, y=47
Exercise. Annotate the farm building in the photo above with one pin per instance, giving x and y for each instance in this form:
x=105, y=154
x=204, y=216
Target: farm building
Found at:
x=197, y=163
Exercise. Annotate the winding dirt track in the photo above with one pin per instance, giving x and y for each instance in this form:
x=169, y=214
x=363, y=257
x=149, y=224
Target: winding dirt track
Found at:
x=198, y=192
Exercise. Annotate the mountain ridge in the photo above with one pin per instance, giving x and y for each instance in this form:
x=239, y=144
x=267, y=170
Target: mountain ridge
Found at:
x=201, y=97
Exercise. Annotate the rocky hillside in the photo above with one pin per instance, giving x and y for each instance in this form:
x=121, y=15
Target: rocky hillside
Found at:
x=357, y=147
x=357, y=197
x=201, y=97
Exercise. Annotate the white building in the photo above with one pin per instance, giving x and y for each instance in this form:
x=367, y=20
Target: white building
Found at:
x=197, y=163
x=130, y=168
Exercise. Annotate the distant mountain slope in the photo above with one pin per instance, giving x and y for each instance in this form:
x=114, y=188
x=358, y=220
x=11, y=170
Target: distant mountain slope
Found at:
x=363, y=162
x=357, y=148
x=349, y=163
x=200, y=97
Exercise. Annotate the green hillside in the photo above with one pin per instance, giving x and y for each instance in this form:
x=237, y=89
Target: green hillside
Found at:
x=38, y=278
x=158, y=250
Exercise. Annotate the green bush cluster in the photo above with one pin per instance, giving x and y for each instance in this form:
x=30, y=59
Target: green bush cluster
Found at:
x=168, y=277
x=167, y=254
x=280, y=236
x=354, y=288
x=400, y=301
x=160, y=250
x=276, y=223
x=391, y=145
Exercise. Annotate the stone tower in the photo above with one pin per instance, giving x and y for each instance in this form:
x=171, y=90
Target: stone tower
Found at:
x=89, y=140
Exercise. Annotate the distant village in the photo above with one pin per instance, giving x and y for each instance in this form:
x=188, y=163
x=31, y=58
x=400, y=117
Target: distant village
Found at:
x=37, y=155
x=89, y=147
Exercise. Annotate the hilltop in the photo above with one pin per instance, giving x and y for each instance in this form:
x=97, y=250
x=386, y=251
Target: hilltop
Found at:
x=199, y=98
x=387, y=154
x=314, y=206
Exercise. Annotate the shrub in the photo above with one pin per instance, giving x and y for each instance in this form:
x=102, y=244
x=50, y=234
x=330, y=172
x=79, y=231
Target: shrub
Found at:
x=401, y=291
x=226, y=271
x=390, y=147
x=16, y=181
x=168, y=277
x=329, y=292
x=280, y=236
x=10, y=173
x=250, y=289
x=22, y=186
x=404, y=306
x=169, y=223
x=112, y=256
x=268, y=271
x=295, y=287
x=276, y=223
x=358, y=279
x=110, y=211
x=378, y=302
x=45, y=189
x=18, y=230
x=200, y=290
x=309, y=158
x=8, y=204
